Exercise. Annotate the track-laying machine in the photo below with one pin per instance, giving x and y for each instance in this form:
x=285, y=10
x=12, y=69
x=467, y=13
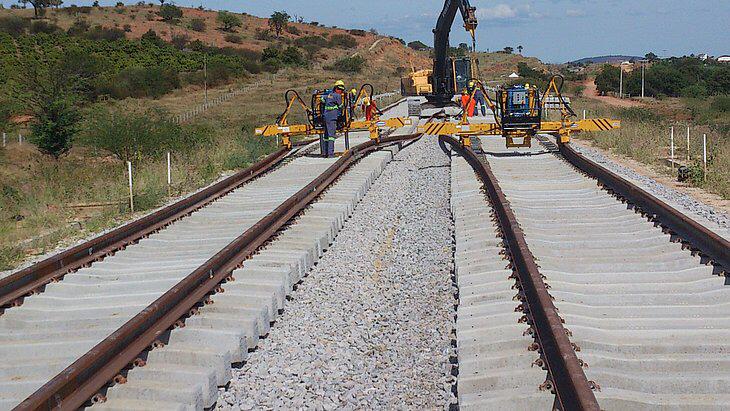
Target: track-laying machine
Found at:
x=315, y=120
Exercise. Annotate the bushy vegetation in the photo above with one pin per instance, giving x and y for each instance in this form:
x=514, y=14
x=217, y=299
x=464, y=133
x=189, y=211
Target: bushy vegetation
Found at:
x=674, y=77
x=228, y=20
x=198, y=24
x=344, y=41
x=133, y=135
x=170, y=12
x=348, y=65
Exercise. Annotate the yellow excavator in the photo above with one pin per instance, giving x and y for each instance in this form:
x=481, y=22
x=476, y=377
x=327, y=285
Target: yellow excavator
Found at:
x=449, y=74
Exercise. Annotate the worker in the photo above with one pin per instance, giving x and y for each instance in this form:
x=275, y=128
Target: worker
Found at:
x=353, y=101
x=333, y=105
x=480, y=101
x=467, y=104
x=370, y=107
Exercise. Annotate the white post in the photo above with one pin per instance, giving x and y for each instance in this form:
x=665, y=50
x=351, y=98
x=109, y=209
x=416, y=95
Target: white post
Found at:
x=169, y=175
x=688, y=155
x=671, y=151
x=20, y=139
x=642, y=80
x=131, y=193
x=704, y=155
x=621, y=84
x=5, y=140
x=584, y=114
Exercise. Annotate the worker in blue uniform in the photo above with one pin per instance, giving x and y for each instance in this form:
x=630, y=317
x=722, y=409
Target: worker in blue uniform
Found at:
x=481, y=101
x=333, y=107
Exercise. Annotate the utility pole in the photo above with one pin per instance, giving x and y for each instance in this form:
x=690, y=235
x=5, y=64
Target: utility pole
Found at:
x=642, y=80
x=621, y=82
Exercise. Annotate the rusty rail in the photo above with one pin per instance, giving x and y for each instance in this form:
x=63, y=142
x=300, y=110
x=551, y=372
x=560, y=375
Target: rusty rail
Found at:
x=572, y=389
x=706, y=241
x=32, y=279
x=75, y=385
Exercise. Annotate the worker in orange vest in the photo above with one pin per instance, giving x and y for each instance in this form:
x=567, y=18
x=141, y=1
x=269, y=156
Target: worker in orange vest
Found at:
x=369, y=107
x=465, y=101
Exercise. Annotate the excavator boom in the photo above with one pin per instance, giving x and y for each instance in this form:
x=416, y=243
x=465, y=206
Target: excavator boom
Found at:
x=442, y=86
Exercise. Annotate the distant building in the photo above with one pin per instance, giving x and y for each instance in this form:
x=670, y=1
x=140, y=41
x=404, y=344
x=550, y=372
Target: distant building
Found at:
x=703, y=56
x=724, y=59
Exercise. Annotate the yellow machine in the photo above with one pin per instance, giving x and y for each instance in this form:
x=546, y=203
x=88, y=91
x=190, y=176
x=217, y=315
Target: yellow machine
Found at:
x=417, y=83
x=518, y=115
x=315, y=122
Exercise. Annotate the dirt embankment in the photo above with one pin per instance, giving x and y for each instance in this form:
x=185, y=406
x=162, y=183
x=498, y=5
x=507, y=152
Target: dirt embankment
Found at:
x=592, y=92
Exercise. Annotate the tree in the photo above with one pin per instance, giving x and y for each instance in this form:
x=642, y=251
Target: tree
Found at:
x=55, y=124
x=519, y=49
x=39, y=6
x=228, y=20
x=418, y=46
x=608, y=79
x=170, y=12
x=279, y=21
x=651, y=57
x=508, y=50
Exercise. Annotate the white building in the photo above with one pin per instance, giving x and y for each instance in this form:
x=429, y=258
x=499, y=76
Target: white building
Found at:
x=724, y=59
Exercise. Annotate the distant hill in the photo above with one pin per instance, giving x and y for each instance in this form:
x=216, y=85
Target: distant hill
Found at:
x=605, y=59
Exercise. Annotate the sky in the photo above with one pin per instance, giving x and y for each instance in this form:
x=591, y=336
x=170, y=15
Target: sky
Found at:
x=555, y=31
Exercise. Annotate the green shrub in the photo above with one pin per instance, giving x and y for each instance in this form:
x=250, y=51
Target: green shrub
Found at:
x=79, y=28
x=234, y=38
x=141, y=82
x=133, y=134
x=348, y=65
x=170, y=12
x=721, y=104
x=55, y=125
x=694, y=91
x=228, y=20
x=180, y=41
x=292, y=30
x=197, y=24
x=13, y=25
x=103, y=33
x=344, y=41
x=264, y=35
x=42, y=26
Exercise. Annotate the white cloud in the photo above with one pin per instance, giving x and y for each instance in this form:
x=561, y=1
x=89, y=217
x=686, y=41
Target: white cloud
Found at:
x=575, y=13
x=500, y=11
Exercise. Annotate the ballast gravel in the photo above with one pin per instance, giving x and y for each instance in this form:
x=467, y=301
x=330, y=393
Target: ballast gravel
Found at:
x=371, y=326
x=686, y=203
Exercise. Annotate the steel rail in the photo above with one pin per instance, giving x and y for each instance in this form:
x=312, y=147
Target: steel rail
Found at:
x=31, y=279
x=706, y=241
x=76, y=384
x=572, y=389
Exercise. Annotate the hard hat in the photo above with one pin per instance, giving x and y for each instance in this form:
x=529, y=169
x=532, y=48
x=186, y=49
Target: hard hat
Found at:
x=353, y=91
x=340, y=84
x=471, y=83
x=463, y=91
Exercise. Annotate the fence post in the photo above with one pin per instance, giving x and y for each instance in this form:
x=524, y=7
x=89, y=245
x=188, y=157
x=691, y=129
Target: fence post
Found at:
x=131, y=193
x=704, y=155
x=5, y=142
x=671, y=151
x=20, y=139
x=584, y=114
x=169, y=175
x=688, y=155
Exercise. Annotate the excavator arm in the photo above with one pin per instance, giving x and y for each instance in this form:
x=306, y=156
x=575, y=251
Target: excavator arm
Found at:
x=441, y=40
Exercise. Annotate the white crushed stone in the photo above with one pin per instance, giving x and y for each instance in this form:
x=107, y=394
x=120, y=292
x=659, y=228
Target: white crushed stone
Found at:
x=686, y=203
x=370, y=327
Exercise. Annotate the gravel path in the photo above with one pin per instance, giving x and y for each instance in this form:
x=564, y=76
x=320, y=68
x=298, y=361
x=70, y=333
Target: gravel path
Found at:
x=371, y=326
x=686, y=203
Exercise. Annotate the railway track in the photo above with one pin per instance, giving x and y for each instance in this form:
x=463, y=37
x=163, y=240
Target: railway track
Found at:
x=81, y=319
x=568, y=296
x=643, y=313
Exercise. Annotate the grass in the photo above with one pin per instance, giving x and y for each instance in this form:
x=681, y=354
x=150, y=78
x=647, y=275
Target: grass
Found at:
x=36, y=192
x=645, y=137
